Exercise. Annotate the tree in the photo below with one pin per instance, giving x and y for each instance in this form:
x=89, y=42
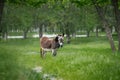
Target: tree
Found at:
x=23, y=20
x=101, y=13
x=2, y=2
x=89, y=18
x=16, y=19
x=41, y=18
x=117, y=17
x=7, y=20
x=105, y=23
x=67, y=19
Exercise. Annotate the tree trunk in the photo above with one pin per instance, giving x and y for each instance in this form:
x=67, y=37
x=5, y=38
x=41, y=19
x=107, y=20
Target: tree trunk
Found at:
x=67, y=34
x=1, y=12
x=68, y=39
x=40, y=31
x=117, y=17
x=96, y=31
x=73, y=35
x=109, y=36
x=105, y=24
x=4, y=35
x=25, y=33
x=88, y=33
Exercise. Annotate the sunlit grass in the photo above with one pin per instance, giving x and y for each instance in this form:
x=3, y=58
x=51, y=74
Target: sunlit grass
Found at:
x=83, y=59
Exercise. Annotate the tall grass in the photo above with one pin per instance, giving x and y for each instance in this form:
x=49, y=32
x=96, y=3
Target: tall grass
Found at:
x=83, y=59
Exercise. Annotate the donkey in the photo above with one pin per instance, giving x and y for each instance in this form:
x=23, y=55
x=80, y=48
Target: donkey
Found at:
x=47, y=44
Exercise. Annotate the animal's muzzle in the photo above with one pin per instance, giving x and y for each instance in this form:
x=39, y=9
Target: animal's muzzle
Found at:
x=61, y=44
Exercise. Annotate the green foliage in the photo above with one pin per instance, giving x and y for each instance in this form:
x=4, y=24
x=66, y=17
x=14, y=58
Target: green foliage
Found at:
x=56, y=16
x=17, y=17
x=34, y=3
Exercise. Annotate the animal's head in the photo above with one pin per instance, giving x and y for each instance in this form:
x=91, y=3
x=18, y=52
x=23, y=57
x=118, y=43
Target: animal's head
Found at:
x=60, y=40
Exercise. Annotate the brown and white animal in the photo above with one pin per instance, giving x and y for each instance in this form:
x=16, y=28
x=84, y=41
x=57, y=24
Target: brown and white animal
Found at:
x=48, y=44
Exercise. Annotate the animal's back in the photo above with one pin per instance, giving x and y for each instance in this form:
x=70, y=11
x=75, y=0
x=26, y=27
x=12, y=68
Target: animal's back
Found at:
x=45, y=42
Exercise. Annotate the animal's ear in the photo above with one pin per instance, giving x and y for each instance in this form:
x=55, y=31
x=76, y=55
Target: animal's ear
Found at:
x=56, y=39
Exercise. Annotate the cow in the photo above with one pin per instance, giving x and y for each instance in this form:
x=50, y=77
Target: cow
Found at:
x=48, y=44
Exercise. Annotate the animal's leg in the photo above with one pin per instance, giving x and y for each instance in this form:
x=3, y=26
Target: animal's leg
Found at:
x=41, y=52
x=54, y=52
x=44, y=53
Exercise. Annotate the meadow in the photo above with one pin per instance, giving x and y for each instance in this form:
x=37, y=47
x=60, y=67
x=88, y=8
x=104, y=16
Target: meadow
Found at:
x=83, y=59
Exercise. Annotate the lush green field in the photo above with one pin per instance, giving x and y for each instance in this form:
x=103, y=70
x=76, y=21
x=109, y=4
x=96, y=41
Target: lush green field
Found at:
x=83, y=59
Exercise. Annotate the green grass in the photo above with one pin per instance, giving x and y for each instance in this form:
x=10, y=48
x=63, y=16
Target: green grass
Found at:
x=83, y=59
